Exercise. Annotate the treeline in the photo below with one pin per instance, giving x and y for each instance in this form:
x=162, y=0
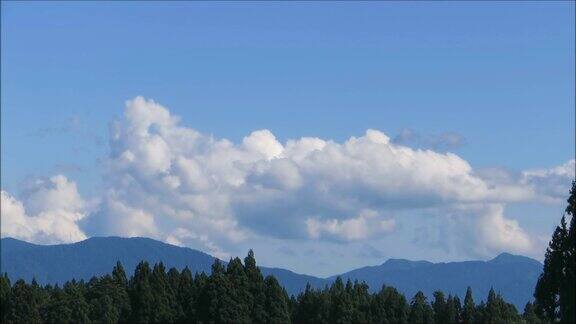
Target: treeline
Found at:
x=235, y=293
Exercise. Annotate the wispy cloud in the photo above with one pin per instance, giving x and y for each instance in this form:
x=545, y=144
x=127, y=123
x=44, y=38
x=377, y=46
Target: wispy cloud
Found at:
x=439, y=142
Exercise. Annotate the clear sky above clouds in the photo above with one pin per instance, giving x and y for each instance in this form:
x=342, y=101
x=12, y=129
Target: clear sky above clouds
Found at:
x=325, y=135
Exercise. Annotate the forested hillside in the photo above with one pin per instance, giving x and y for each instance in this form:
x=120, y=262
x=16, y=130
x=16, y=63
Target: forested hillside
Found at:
x=237, y=293
x=513, y=276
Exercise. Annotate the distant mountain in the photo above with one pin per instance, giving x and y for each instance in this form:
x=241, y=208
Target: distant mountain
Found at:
x=513, y=276
x=98, y=255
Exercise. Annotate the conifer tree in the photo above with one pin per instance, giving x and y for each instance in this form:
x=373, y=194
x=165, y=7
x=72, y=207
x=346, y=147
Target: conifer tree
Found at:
x=4, y=296
x=440, y=308
x=554, y=293
x=79, y=308
x=340, y=302
x=23, y=306
x=304, y=306
x=420, y=311
x=119, y=275
x=221, y=307
x=568, y=292
x=241, y=298
x=120, y=297
x=187, y=295
x=493, y=308
x=361, y=303
x=166, y=307
x=142, y=295
x=480, y=313
x=256, y=288
x=529, y=314
x=57, y=310
x=203, y=296
x=109, y=302
x=389, y=306
x=469, y=309
x=276, y=303
x=452, y=311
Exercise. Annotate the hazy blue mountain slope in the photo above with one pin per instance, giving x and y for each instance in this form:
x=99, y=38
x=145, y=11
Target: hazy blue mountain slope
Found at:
x=94, y=256
x=513, y=276
x=98, y=255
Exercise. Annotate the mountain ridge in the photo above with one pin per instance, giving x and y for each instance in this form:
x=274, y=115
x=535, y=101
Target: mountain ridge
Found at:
x=512, y=275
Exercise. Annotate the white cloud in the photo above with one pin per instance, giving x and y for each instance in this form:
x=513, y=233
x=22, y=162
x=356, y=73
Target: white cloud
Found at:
x=263, y=143
x=502, y=233
x=170, y=182
x=176, y=177
x=367, y=225
x=49, y=213
x=551, y=183
x=485, y=231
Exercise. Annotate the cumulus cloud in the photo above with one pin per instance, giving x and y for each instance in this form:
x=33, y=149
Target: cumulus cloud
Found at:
x=366, y=225
x=483, y=229
x=217, y=193
x=173, y=183
x=49, y=213
x=544, y=185
x=551, y=183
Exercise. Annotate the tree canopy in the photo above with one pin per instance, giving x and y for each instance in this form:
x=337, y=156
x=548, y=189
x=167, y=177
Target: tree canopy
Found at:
x=235, y=292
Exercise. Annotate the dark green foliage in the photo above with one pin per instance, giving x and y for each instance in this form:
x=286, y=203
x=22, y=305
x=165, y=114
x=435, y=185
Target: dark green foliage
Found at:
x=529, y=315
x=108, y=299
x=141, y=295
x=216, y=303
x=498, y=311
x=4, y=295
x=187, y=294
x=235, y=293
x=275, y=308
x=420, y=310
x=310, y=307
x=340, y=303
x=568, y=292
x=57, y=310
x=469, y=310
x=360, y=303
x=120, y=296
x=256, y=289
x=555, y=291
x=24, y=305
x=389, y=306
x=453, y=310
x=76, y=303
x=240, y=299
x=166, y=307
x=440, y=308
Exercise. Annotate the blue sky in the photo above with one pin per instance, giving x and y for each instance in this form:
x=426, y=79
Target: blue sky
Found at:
x=496, y=78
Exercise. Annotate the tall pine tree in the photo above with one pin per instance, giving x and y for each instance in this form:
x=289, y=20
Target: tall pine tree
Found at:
x=141, y=295
x=420, y=311
x=555, y=292
x=276, y=302
x=469, y=310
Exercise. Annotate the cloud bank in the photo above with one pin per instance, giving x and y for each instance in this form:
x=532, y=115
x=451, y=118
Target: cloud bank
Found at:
x=170, y=182
x=50, y=212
